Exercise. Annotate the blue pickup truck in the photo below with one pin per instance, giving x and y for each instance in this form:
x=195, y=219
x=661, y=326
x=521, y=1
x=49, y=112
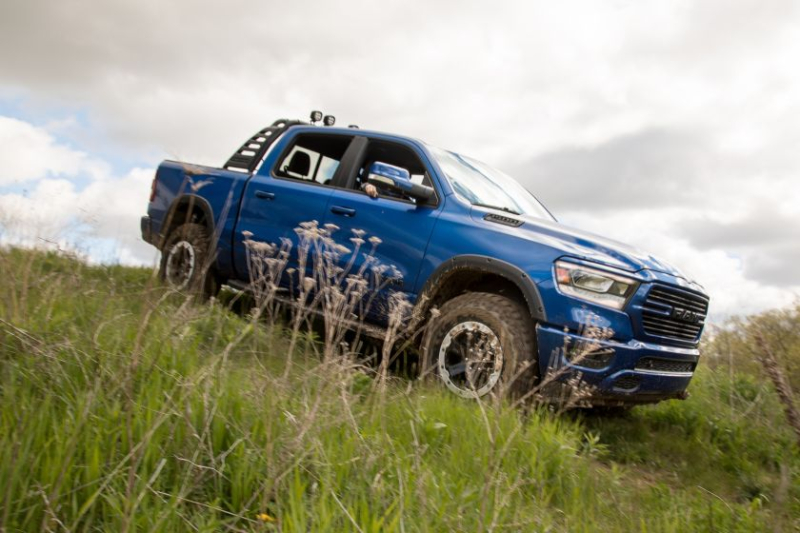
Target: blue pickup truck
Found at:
x=512, y=289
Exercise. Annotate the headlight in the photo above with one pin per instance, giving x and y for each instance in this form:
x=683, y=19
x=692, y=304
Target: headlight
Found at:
x=596, y=286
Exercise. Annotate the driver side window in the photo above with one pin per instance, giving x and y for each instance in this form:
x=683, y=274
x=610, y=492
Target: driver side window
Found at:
x=397, y=155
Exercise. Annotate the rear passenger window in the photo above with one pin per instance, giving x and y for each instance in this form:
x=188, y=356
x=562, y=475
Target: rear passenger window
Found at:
x=313, y=158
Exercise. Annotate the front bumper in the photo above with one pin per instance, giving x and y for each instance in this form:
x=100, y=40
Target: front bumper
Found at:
x=616, y=372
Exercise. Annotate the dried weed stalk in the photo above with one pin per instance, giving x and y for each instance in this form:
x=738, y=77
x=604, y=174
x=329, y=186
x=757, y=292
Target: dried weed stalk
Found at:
x=560, y=384
x=324, y=282
x=768, y=359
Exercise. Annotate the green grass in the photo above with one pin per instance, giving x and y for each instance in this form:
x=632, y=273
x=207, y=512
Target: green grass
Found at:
x=125, y=408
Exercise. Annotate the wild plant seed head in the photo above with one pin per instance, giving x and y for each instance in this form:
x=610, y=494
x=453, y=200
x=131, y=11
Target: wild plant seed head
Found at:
x=263, y=247
x=353, y=281
x=341, y=249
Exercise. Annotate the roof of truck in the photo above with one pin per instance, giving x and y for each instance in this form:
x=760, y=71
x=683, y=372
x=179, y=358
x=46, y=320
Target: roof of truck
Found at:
x=247, y=157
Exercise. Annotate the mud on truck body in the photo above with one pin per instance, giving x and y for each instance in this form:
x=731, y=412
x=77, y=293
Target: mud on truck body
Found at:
x=513, y=289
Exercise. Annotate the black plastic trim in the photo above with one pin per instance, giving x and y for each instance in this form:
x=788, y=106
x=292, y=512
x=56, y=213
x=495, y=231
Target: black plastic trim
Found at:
x=250, y=154
x=504, y=220
x=344, y=176
x=147, y=232
x=193, y=201
x=495, y=266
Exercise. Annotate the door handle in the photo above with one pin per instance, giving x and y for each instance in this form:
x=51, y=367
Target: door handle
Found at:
x=344, y=211
x=265, y=195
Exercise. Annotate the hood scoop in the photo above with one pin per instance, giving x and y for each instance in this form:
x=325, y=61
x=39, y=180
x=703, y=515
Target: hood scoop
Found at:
x=504, y=220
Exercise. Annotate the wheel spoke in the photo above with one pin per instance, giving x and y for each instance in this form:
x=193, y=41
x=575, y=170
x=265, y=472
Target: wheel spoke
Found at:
x=457, y=369
x=470, y=359
x=180, y=264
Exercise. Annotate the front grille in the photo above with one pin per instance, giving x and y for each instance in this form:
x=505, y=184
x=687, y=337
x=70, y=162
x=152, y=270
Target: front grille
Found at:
x=674, y=313
x=664, y=365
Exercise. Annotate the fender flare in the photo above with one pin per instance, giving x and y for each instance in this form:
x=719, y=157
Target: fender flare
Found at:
x=494, y=266
x=192, y=200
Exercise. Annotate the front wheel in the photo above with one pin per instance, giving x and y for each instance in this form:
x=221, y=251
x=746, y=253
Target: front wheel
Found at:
x=186, y=261
x=482, y=343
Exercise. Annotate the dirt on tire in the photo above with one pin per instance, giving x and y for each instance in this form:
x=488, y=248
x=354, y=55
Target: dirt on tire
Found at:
x=508, y=319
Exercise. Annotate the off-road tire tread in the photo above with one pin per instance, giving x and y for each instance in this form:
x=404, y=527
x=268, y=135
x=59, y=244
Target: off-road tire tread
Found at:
x=204, y=283
x=516, y=331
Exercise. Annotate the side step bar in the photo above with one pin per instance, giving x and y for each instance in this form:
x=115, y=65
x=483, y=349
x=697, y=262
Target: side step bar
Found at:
x=358, y=326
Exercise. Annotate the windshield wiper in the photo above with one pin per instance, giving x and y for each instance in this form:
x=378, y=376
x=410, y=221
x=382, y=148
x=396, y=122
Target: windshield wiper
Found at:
x=506, y=209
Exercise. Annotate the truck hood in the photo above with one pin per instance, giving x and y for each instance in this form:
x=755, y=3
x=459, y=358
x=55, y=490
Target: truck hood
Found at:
x=590, y=247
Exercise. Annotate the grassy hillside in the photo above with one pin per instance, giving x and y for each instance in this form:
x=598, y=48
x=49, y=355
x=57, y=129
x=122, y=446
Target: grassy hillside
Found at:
x=123, y=407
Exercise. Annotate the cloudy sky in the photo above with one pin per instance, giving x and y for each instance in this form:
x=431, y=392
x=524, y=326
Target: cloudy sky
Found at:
x=674, y=126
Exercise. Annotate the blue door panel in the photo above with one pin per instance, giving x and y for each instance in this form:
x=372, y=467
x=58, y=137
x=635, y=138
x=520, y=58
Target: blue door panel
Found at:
x=271, y=210
x=403, y=228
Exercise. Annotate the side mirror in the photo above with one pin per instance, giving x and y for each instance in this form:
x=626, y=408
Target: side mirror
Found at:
x=398, y=179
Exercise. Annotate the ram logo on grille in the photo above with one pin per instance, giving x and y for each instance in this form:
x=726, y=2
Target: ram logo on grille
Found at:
x=674, y=313
x=685, y=315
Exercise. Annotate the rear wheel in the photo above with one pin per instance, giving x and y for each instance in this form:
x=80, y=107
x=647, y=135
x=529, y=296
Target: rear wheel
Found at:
x=186, y=261
x=482, y=343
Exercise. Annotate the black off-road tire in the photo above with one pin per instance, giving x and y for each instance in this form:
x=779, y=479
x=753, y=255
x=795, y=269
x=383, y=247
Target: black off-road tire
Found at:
x=513, y=328
x=186, y=260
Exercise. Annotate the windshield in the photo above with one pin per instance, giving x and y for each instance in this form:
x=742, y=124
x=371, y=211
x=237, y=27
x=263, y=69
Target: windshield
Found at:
x=482, y=185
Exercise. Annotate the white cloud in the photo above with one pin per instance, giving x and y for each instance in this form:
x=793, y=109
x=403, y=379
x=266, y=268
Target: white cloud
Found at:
x=56, y=212
x=30, y=153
